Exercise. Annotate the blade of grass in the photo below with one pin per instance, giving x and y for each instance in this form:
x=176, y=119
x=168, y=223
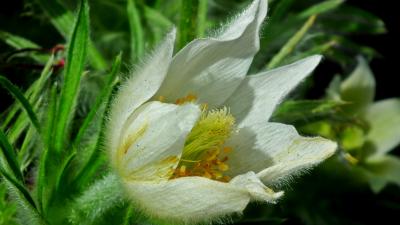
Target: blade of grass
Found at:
x=157, y=18
x=73, y=72
x=10, y=157
x=291, y=44
x=187, y=22
x=320, y=8
x=18, y=95
x=136, y=31
x=33, y=93
x=18, y=42
x=42, y=182
x=62, y=19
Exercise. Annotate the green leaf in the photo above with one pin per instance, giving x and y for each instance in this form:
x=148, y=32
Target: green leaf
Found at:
x=319, y=8
x=62, y=19
x=359, y=88
x=18, y=95
x=73, y=71
x=10, y=158
x=18, y=42
x=305, y=110
x=384, y=120
x=136, y=31
x=43, y=185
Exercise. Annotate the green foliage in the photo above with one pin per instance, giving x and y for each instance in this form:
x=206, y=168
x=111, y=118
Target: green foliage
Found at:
x=74, y=68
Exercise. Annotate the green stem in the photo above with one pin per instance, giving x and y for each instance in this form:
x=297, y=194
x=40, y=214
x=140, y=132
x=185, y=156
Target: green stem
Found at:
x=188, y=22
x=292, y=43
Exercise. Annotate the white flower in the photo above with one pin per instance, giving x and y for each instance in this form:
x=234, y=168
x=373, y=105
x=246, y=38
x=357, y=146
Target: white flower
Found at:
x=189, y=135
x=383, y=119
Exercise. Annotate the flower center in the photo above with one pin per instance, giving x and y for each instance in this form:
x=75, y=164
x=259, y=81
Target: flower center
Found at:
x=204, y=153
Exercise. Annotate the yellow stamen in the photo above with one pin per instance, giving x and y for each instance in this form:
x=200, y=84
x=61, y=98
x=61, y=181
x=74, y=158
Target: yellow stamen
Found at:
x=204, y=153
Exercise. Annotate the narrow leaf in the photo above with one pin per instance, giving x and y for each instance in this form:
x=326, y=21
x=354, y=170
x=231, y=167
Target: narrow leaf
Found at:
x=62, y=19
x=73, y=72
x=18, y=95
x=10, y=157
x=136, y=30
x=320, y=8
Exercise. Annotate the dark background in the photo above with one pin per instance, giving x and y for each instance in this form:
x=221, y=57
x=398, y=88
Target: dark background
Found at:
x=386, y=66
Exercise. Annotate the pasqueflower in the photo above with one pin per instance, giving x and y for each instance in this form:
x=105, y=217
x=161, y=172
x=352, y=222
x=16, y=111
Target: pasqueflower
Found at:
x=188, y=135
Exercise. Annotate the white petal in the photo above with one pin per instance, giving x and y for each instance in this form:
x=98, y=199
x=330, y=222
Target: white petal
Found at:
x=384, y=120
x=152, y=140
x=188, y=199
x=359, y=87
x=212, y=68
x=258, y=146
x=257, y=190
x=302, y=154
x=381, y=170
x=137, y=89
x=257, y=96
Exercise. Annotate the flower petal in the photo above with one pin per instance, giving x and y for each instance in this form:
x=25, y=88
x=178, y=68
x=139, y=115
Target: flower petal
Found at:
x=152, y=140
x=358, y=88
x=381, y=170
x=302, y=154
x=212, y=68
x=277, y=147
x=384, y=120
x=257, y=190
x=258, y=146
x=257, y=96
x=137, y=89
x=188, y=199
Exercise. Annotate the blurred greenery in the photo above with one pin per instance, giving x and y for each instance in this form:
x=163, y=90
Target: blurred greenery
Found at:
x=62, y=60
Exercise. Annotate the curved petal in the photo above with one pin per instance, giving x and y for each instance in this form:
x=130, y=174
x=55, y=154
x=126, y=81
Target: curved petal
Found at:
x=258, y=146
x=212, y=68
x=152, y=140
x=257, y=190
x=137, y=89
x=188, y=199
x=381, y=170
x=358, y=88
x=302, y=154
x=384, y=120
x=277, y=147
x=257, y=96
